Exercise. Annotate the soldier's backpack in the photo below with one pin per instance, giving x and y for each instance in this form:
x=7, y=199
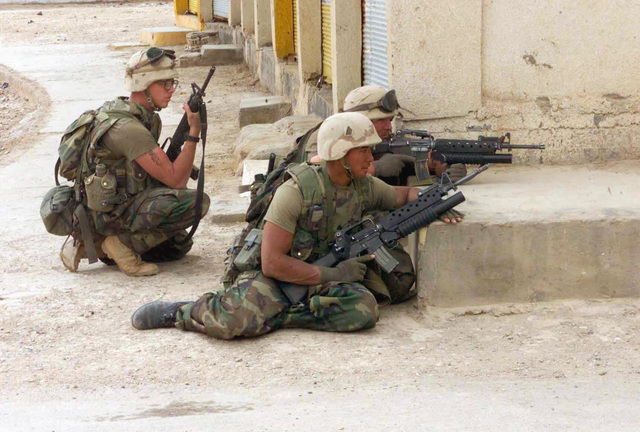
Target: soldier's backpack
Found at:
x=62, y=210
x=262, y=189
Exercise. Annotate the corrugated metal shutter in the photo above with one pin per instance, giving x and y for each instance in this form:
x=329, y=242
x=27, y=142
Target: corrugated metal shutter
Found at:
x=295, y=26
x=221, y=8
x=326, y=41
x=374, y=43
x=193, y=7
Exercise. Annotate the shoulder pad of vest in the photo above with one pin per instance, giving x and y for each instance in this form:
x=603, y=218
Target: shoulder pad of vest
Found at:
x=309, y=180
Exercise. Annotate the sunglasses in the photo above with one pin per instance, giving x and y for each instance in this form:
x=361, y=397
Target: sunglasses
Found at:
x=169, y=83
x=388, y=103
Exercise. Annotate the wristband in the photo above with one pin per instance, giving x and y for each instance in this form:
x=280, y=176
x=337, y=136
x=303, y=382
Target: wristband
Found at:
x=192, y=138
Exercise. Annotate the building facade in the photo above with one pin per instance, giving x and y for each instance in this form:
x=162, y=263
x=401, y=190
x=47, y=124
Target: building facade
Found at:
x=550, y=72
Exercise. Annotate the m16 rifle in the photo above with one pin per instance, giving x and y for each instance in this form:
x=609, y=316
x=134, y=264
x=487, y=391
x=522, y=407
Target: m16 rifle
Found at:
x=373, y=238
x=197, y=105
x=450, y=151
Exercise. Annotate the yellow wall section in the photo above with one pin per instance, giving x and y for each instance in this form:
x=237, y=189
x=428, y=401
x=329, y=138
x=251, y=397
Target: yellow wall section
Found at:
x=283, y=11
x=326, y=42
x=184, y=10
x=295, y=25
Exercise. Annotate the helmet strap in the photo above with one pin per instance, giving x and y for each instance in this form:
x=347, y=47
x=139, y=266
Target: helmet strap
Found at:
x=150, y=101
x=347, y=168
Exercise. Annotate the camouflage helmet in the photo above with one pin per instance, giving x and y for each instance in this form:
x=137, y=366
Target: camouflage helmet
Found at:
x=365, y=95
x=148, y=66
x=343, y=132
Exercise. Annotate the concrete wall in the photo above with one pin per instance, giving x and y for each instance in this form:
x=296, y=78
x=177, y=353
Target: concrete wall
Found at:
x=235, y=12
x=346, y=48
x=263, y=22
x=247, y=11
x=551, y=72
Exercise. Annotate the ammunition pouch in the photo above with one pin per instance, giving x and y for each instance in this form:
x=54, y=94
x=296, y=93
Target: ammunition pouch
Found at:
x=249, y=256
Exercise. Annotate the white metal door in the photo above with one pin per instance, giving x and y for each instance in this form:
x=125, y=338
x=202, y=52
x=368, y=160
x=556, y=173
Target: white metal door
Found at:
x=221, y=8
x=374, y=43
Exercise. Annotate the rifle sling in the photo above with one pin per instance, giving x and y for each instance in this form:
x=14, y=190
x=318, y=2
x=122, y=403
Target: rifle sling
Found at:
x=200, y=189
x=85, y=232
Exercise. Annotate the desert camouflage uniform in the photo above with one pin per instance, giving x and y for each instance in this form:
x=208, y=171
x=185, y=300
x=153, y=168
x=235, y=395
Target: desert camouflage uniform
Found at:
x=153, y=221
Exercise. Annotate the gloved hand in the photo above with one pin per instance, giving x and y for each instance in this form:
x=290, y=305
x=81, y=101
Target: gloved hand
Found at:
x=456, y=171
x=390, y=165
x=351, y=270
x=452, y=216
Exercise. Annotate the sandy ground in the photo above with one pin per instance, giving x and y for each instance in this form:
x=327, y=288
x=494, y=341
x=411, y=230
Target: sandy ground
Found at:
x=69, y=354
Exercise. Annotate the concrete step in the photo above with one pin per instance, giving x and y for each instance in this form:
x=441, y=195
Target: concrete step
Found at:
x=164, y=36
x=537, y=234
x=263, y=109
x=213, y=55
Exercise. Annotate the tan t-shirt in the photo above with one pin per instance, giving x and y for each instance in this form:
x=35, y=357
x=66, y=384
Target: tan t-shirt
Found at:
x=286, y=206
x=129, y=138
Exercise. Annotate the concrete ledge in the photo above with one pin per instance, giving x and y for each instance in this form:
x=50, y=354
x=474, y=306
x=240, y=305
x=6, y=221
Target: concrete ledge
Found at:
x=215, y=55
x=537, y=234
x=267, y=109
x=228, y=209
x=164, y=36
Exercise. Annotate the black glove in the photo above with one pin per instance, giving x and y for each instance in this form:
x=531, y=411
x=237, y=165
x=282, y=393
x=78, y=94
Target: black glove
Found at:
x=451, y=215
x=456, y=172
x=351, y=270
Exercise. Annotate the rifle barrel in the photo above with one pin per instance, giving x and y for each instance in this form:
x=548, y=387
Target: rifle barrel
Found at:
x=517, y=146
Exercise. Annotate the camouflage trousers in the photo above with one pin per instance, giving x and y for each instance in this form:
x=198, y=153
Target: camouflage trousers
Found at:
x=153, y=223
x=255, y=305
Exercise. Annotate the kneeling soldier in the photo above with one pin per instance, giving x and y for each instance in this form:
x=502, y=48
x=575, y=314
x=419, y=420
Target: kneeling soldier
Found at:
x=136, y=196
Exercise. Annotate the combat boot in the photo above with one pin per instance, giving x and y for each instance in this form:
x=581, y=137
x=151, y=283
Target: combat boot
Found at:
x=157, y=314
x=127, y=260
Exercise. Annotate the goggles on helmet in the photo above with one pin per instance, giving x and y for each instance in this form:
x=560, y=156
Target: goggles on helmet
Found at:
x=153, y=55
x=388, y=103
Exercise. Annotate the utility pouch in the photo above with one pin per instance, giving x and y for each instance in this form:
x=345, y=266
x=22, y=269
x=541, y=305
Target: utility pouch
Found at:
x=136, y=178
x=230, y=270
x=57, y=209
x=101, y=189
x=249, y=256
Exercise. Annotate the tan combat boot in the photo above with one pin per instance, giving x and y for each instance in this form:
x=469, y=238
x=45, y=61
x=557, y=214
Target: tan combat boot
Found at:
x=127, y=260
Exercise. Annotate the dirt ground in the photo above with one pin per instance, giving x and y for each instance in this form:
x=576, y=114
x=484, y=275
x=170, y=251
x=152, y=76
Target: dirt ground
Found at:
x=64, y=332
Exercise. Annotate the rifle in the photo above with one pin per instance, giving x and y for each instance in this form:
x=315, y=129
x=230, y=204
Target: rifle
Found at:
x=450, y=151
x=196, y=104
x=370, y=237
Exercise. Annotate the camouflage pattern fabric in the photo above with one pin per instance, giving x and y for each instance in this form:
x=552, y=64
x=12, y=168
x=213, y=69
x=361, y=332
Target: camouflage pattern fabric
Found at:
x=255, y=305
x=153, y=217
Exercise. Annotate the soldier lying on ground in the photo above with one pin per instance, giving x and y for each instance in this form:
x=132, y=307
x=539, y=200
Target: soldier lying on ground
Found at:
x=150, y=208
x=300, y=224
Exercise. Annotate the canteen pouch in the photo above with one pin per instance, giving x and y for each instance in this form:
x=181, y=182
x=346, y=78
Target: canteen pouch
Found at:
x=99, y=189
x=136, y=178
x=249, y=256
x=57, y=209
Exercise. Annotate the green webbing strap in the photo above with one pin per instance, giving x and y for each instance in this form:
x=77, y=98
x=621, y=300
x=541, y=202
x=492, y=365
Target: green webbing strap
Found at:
x=85, y=232
x=200, y=189
x=330, y=209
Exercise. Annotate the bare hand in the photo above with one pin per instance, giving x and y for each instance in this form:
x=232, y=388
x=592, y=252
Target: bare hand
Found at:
x=193, y=119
